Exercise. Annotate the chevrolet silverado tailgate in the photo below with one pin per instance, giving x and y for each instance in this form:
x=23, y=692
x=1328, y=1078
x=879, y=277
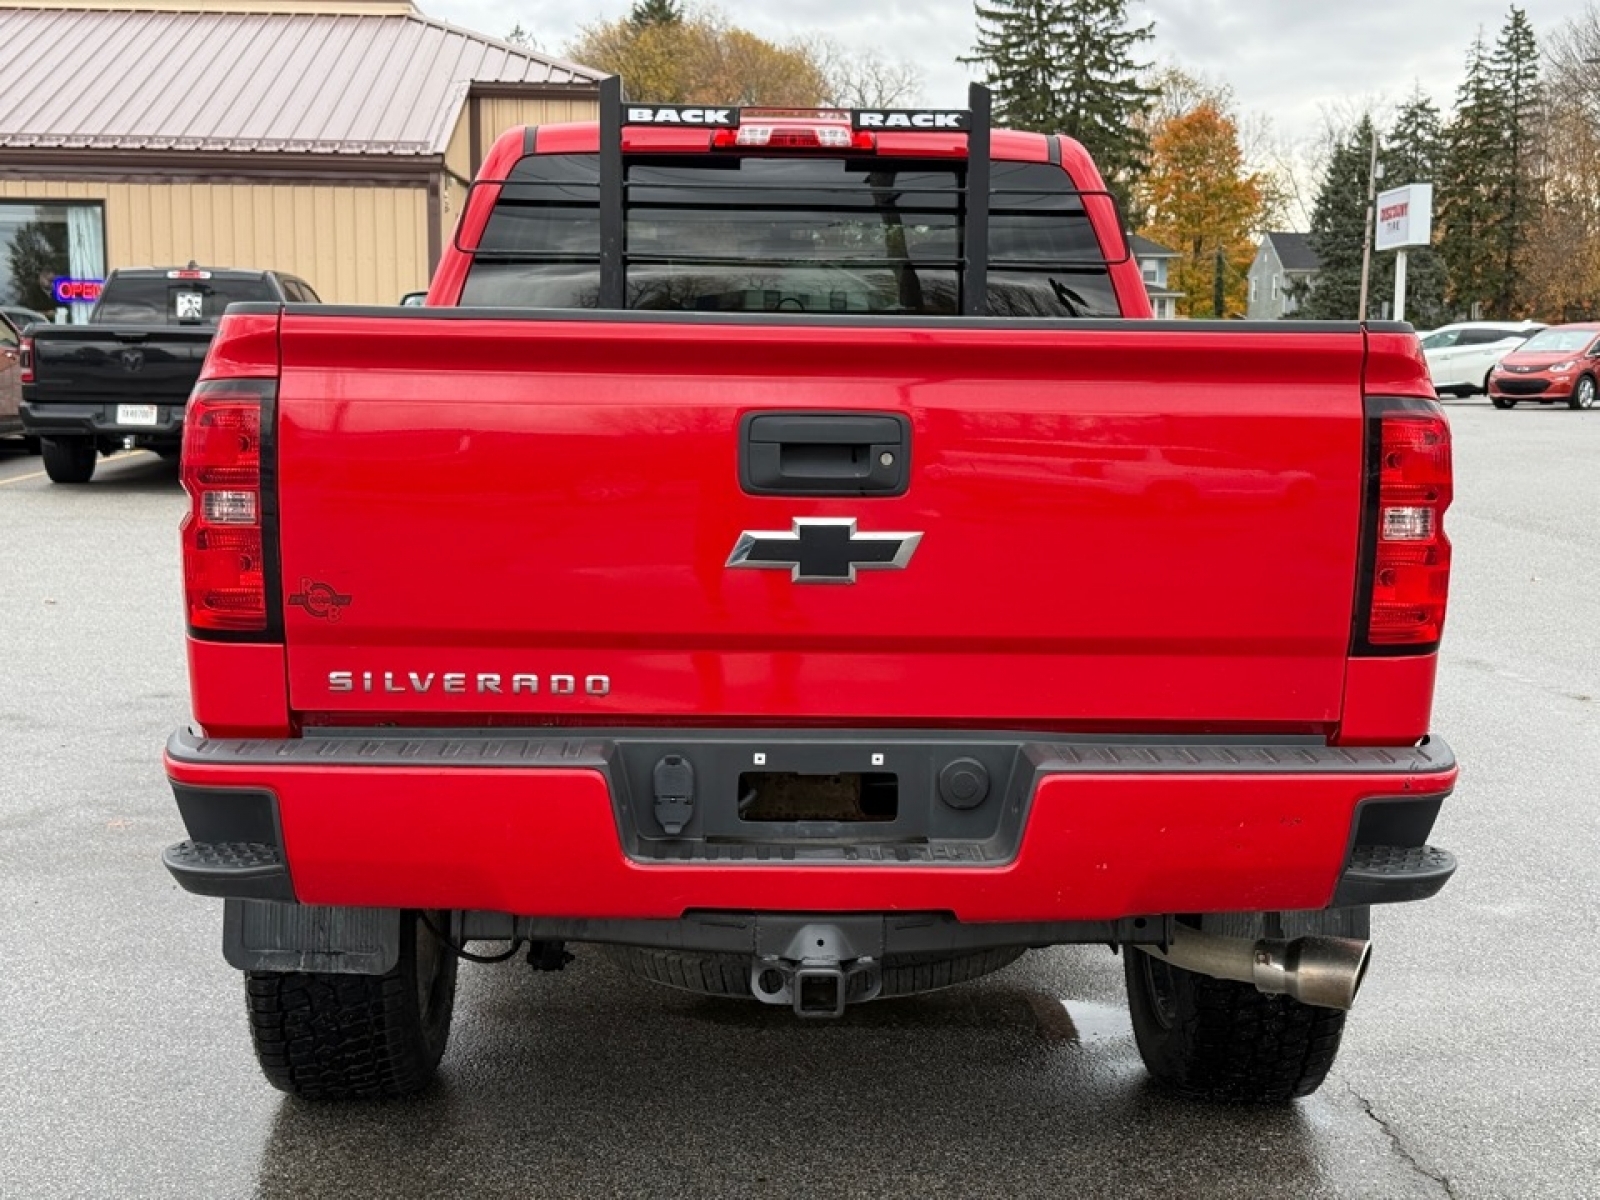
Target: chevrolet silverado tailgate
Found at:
x=563, y=519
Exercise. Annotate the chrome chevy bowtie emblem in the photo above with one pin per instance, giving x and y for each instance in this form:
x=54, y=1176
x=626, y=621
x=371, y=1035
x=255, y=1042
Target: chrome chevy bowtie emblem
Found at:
x=824, y=550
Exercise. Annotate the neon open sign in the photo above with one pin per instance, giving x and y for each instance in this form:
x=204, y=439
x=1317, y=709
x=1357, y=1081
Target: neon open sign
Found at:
x=76, y=291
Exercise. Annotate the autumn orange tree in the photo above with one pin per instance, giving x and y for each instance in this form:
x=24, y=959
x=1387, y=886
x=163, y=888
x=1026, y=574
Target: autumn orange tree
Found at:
x=702, y=59
x=1200, y=196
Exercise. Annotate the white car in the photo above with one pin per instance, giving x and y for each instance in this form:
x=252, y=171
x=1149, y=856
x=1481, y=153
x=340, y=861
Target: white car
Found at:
x=1461, y=356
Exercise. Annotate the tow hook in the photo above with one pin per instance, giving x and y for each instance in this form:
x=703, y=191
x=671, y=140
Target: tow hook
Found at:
x=817, y=975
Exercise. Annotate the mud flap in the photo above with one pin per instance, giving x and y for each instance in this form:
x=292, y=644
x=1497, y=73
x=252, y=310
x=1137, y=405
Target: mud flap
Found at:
x=261, y=935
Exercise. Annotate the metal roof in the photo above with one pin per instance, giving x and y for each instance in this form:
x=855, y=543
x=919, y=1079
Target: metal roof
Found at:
x=265, y=82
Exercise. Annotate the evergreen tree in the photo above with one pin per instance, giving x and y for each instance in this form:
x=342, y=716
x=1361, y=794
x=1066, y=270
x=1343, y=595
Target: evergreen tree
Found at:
x=656, y=12
x=1489, y=191
x=1068, y=66
x=1465, y=200
x=37, y=252
x=1338, y=230
x=1412, y=153
x=1516, y=71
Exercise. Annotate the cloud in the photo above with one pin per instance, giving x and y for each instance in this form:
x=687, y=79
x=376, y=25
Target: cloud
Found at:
x=1294, y=60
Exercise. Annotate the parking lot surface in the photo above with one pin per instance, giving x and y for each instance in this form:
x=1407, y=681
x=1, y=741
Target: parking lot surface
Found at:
x=1471, y=1066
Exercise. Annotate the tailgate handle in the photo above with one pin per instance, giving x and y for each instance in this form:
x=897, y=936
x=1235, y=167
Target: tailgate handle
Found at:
x=825, y=454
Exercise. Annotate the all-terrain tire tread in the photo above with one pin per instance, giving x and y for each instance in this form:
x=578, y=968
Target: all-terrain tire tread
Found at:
x=348, y=1037
x=1231, y=1042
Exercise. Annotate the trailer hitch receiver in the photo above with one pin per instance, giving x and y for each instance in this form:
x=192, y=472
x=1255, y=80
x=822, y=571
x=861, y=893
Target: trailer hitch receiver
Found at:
x=817, y=974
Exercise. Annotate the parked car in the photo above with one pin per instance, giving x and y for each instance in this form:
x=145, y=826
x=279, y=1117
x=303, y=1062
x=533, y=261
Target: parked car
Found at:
x=1560, y=364
x=1461, y=356
x=129, y=371
x=23, y=317
x=10, y=377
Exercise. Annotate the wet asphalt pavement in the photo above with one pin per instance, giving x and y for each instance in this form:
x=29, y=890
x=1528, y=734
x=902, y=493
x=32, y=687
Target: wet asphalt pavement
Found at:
x=1471, y=1067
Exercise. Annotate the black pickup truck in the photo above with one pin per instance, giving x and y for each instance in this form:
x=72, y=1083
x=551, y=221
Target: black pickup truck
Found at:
x=128, y=373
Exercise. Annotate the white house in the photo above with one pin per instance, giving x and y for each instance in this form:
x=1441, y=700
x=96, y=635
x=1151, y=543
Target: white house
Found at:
x=1282, y=260
x=1153, y=260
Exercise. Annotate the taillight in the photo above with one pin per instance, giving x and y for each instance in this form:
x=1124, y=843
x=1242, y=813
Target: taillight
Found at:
x=792, y=137
x=224, y=545
x=1405, y=554
x=25, y=359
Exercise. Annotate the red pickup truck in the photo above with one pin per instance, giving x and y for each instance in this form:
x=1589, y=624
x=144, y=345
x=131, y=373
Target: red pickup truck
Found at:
x=774, y=557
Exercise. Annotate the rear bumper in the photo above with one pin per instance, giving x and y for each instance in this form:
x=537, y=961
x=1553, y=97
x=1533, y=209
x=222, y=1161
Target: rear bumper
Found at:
x=98, y=420
x=1072, y=830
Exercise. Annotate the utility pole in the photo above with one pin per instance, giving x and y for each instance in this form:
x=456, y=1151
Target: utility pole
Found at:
x=1372, y=211
x=1218, y=301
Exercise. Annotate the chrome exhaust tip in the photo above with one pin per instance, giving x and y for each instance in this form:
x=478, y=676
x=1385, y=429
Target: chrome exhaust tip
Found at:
x=1325, y=972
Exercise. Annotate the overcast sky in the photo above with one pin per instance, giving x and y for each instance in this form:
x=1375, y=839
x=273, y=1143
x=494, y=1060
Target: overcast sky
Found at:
x=1290, y=59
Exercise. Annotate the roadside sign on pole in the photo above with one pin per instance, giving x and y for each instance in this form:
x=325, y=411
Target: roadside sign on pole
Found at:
x=1405, y=217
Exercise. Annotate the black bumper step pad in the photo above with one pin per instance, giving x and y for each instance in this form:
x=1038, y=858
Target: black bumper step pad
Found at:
x=247, y=870
x=1393, y=874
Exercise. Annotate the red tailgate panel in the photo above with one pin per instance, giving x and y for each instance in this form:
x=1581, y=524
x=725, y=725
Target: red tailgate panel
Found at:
x=1130, y=525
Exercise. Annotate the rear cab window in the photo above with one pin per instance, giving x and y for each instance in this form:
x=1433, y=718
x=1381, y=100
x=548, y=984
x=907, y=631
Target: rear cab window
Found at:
x=855, y=236
x=159, y=299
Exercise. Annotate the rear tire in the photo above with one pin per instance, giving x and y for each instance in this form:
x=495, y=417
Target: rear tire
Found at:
x=1214, y=1039
x=356, y=1037
x=1583, y=393
x=1502, y=402
x=729, y=974
x=69, y=460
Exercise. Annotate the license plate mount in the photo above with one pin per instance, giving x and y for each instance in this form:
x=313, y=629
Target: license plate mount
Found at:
x=138, y=414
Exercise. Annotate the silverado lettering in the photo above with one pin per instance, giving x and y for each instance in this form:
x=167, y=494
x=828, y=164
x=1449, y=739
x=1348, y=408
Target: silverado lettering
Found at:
x=1140, y=688
x=484, y=683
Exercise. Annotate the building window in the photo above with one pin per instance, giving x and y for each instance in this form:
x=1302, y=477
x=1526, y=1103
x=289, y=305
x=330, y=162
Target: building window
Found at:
x=43, y=242
x=1276, y=279
x=1254, y=288
x=1151, y=271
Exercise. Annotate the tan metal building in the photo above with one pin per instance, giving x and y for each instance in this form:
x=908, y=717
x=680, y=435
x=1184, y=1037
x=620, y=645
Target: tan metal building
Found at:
x=334, y=140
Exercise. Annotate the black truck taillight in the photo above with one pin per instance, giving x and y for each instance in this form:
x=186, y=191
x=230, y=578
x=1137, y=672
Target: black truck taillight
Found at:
x=25, y=359
x=225, y=548
x=1405, y=556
